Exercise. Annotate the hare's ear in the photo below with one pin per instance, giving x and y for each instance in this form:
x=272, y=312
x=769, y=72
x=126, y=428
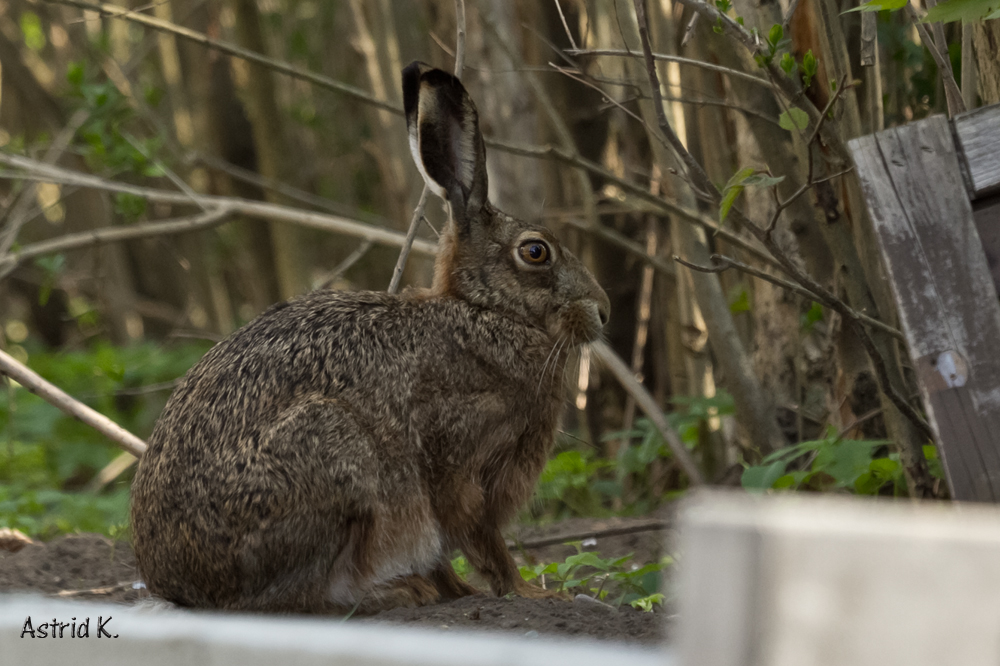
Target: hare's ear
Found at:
x=447, y=146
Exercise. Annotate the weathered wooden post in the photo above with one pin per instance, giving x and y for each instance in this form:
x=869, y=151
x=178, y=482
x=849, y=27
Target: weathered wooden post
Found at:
x=933, y=191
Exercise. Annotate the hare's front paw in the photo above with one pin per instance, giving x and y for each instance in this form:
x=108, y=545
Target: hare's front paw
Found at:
x=522, y=588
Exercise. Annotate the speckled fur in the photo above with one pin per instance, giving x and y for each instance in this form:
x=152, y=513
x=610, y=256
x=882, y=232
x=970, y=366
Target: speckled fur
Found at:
x=334, y=451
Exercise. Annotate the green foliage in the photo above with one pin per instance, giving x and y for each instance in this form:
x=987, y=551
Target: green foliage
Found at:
x=967, y=11
x=811, y=317
x=810, y=65
x=828, y=464
x=603, y=578
x=571, y=479
x=46, y=458
x=104, y=142
x=739, y=300
x=745, y=177
x=31, y=29
x=794, y=119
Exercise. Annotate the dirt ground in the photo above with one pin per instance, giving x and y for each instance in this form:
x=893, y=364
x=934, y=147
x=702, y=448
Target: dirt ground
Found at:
x=92, y=567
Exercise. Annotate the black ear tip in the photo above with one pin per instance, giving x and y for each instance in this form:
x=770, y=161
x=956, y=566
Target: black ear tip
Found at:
x=411, y=85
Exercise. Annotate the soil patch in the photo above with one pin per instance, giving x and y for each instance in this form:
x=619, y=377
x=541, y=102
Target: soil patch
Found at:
x=92, y=567
x=84, y=566
x=532, y=617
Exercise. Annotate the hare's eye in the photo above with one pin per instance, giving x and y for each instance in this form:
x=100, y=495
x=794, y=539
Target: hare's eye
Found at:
x=534, y=252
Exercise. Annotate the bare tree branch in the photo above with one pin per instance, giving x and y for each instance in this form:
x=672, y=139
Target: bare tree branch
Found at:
x=759, y=80
x=39, y=171
x=112, y=235
x=51, y=394
x=723, y=263
x=642, y=193
x=701, y=179
x=326, y=82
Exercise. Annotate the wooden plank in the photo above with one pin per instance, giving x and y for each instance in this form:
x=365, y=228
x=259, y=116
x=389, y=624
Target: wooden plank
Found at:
x=947, y=303
x=978, y=134
x=829, y=581
x=986, y=213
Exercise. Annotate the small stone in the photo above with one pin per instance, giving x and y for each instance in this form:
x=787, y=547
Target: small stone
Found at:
x=531, y=634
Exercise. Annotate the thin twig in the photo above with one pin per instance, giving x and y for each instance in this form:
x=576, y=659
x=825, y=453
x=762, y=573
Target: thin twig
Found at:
x=722, y=263
x=640, y=192
x=332, y=223
x=17, y=215
x=51, y=394
x=569, y=35
x=649, y=407
x=115, y=234
x=558, y=540
x=411, y=233
x=344, y=266
x=326, y=82
x=700, y=178
x=729, y=71
x=627, y=244
x=953, y=93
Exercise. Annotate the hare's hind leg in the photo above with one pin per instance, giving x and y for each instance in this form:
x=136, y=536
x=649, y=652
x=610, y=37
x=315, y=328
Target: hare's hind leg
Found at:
x=317, y=470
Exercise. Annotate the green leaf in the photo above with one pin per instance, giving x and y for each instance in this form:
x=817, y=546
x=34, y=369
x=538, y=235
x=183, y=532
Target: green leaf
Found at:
x=809, y=68
x=788, y=63
x=845, y=461
x=878, y=6
x=775, y=34
x=732, y=190
x=763, y=180
x=31, y=28
x=811, y=317
x=740, y=302
x=794, y=119
x=762, y=477
x=966, y=11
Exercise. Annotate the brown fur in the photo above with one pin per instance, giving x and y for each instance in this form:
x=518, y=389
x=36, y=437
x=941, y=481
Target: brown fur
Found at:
x=333, y=452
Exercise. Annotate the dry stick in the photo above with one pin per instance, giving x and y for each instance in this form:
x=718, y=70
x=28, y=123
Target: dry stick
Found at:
x=735, y=73
x=558, y=540
x=30, y=380
x=117, y=234
x=698, y=175
x=418, y=212
x=259, y=209
x=648, y=405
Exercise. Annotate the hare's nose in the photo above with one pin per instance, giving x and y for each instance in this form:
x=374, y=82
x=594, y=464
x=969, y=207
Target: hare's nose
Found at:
x=604, y=310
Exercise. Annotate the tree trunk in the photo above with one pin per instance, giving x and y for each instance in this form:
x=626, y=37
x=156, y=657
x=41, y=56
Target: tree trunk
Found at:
x=269, y=139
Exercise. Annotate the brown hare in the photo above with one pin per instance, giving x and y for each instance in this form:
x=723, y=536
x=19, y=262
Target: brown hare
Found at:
x=332, y=453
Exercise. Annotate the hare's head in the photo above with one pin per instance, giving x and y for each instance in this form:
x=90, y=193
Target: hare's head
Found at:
x=487, y=257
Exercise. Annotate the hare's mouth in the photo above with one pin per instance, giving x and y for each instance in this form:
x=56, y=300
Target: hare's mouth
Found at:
x=580, y=322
